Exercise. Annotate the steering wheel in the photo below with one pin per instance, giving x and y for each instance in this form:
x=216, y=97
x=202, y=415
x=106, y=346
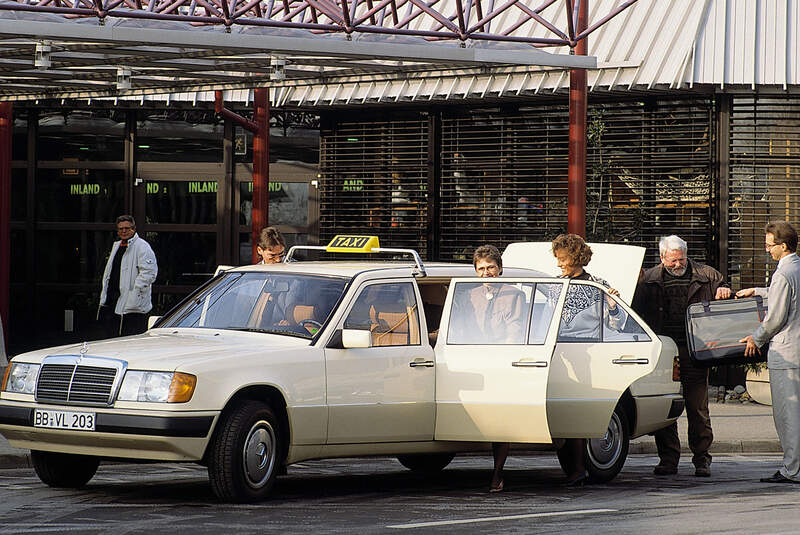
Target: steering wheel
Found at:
x=314, y=323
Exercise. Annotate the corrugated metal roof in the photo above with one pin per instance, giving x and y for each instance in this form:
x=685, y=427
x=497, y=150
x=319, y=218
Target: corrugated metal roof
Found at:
x=653, y=45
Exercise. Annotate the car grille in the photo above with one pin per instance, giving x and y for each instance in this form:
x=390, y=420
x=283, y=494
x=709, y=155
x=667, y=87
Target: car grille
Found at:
x=75, y=383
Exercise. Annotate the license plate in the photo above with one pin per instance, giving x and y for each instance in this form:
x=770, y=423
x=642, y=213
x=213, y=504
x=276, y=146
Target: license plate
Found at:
x=80, y=421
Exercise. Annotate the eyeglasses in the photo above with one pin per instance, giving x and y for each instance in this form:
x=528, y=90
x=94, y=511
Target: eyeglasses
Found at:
x=271, y=256
x=769, y=246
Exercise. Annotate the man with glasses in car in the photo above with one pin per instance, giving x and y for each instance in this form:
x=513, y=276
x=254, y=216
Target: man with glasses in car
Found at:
x=126, y=292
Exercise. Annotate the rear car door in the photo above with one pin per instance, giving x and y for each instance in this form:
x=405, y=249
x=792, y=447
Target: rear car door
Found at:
x=493, y=358
x=600, y=351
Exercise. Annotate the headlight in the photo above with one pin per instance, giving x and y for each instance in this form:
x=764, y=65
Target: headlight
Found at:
x=21, y=378
x=160, y=387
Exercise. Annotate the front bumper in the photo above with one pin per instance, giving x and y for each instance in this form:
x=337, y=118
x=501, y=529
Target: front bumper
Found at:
x=157, y=436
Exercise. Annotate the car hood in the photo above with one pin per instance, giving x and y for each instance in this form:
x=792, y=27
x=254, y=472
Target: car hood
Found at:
x=618, y=264
x=168, y=349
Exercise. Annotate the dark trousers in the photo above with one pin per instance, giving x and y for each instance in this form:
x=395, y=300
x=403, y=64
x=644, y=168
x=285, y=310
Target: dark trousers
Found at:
x=124, y=325
x=694, y=381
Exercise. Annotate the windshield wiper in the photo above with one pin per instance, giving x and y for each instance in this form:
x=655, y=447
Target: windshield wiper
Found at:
x=269, y=331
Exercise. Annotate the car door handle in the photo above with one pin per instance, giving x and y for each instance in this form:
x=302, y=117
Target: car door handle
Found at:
x=631, y=361
x=530, y=364
x=421, y=364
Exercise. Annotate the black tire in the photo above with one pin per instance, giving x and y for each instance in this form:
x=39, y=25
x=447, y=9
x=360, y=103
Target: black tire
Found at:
x=246, y=453
x=64, y=470
x=428, y=463
x=606, y=456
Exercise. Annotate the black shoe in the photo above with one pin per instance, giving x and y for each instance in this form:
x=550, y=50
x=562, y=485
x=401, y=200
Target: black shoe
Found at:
x=702, y=471
x=777, y=477
x=664, y=470
x=578, y=481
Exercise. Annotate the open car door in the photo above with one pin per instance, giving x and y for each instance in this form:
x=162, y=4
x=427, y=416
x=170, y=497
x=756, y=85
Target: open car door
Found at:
x=493, y=357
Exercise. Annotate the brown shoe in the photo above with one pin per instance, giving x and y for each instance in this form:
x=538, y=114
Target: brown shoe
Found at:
x=665, y=470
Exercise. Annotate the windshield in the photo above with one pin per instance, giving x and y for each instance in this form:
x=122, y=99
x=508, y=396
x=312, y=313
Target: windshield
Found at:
x=262, y=302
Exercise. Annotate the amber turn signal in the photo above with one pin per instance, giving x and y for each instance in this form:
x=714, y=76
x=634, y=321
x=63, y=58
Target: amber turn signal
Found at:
x=5, y=378
x=181, y=388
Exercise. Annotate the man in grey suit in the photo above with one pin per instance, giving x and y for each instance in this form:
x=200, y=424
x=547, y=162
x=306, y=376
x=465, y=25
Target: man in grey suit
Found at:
x=781, y=328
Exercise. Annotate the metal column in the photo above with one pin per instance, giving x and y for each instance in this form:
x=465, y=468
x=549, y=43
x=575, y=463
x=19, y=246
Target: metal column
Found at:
x=6, y=131
x=576, y=176
x=260, y=217
x=259, y=126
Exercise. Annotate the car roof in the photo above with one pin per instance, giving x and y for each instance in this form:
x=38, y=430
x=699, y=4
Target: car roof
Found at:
x=349, y=269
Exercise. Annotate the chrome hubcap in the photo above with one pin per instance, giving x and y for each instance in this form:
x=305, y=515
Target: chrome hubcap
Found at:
x=258, y=457
x=604, y=452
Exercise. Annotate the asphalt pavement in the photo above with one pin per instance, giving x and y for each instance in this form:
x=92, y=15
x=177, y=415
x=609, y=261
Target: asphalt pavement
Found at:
x=738, y=428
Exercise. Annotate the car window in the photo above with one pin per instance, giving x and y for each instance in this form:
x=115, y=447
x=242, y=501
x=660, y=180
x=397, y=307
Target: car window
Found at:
x=261, y=301
x=389, y=312
x=492, y=312
x=582, y=314
x=590, y=315
x=545, y=299
x=631, y=332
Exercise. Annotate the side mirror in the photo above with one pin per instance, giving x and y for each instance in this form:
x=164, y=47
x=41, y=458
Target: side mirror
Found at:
x=356, y=338
x=151, y=320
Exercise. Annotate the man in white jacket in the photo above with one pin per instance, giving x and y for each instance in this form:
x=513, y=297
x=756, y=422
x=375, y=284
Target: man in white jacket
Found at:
x=126, y=295
x=781, y=328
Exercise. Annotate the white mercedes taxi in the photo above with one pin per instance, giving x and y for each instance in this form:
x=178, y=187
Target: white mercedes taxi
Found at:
x=265, y=366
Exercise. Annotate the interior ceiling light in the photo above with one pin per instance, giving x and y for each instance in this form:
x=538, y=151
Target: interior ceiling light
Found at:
x=277, y=71
x=123, y=78
x=41, y=59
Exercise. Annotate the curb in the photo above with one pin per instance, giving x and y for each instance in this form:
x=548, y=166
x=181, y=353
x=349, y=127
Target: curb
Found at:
x=721, y=446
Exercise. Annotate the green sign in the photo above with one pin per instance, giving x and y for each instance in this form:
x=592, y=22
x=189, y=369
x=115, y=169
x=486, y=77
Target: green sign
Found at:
x=84, y=189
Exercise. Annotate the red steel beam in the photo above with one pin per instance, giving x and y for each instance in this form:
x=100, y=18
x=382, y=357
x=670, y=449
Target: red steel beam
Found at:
x=260, y=213
x=6, y=131
x=259, y=126
x=576, y=174
x=342, y=16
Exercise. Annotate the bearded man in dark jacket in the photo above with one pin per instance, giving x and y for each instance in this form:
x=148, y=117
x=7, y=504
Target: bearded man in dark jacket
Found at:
x=662, y=296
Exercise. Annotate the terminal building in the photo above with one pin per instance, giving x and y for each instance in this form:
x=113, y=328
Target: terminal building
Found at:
x=693, y=129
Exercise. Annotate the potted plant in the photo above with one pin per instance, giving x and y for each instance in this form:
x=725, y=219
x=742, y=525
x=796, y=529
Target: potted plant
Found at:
x=757, y=383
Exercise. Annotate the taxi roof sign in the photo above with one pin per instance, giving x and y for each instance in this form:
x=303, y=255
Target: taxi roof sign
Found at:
x=345, y=243
x=348, y=243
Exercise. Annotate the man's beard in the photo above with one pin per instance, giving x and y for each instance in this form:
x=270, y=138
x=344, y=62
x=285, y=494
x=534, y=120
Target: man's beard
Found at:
x=676, y=272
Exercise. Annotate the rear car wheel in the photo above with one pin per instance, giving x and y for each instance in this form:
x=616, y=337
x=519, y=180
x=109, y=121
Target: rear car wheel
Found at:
x=428, y=463
x=64, y=470
x=245, y=453
x=606, y=456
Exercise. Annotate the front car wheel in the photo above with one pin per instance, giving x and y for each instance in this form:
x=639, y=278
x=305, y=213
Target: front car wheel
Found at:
x=245, y=453
x=64, y=470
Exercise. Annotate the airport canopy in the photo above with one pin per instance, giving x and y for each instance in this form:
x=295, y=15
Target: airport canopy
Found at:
x=118, y=48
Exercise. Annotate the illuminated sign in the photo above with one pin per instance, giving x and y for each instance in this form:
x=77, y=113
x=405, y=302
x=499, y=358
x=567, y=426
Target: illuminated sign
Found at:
x=273, y=186
x=202, y=187
x=355, y=184
x=343, y=243
x=84, y=189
